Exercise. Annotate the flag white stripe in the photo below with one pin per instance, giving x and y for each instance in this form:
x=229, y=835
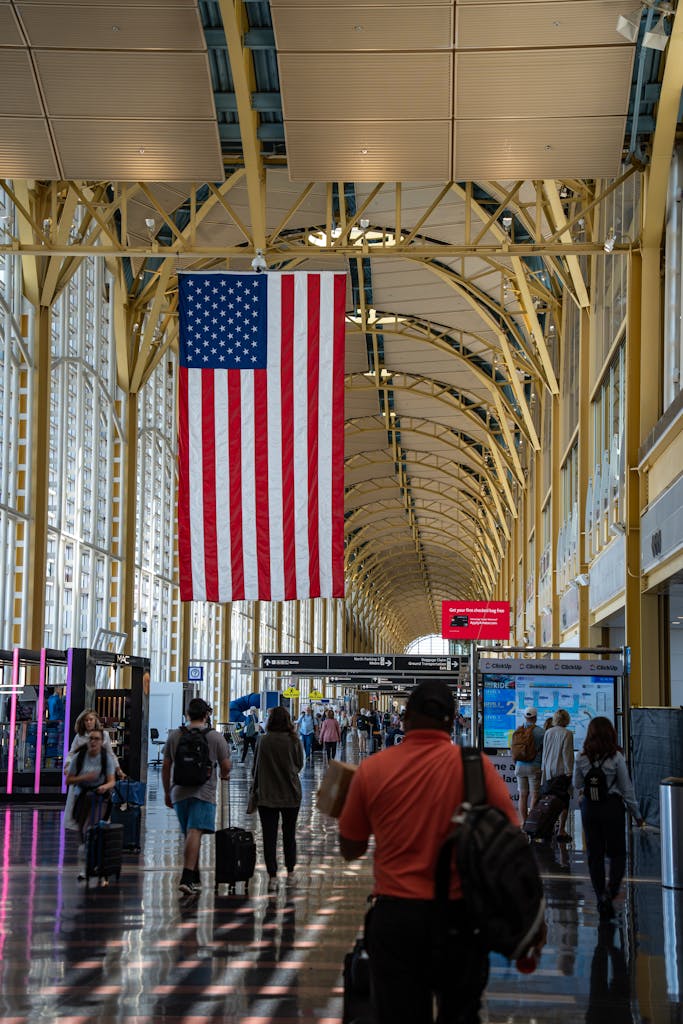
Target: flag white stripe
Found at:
x=325, y=371
x=300, y=443
x=222, y=484
x=274, y=384
x=249, y=548
x=196, y=447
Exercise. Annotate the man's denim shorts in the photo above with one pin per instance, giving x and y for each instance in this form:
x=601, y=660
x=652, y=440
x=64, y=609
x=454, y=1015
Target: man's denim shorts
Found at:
x=194, y=813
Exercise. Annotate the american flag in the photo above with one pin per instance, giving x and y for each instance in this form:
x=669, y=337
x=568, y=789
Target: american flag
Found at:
x=261, y=436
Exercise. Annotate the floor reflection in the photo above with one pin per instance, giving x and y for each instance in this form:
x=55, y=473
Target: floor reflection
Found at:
x=137, y=953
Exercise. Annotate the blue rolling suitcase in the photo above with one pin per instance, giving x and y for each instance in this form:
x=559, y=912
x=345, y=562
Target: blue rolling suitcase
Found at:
x=128, y=799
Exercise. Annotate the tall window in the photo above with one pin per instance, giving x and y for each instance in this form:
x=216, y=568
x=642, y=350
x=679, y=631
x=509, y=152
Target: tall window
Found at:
x=16, y=442
x=84, y=475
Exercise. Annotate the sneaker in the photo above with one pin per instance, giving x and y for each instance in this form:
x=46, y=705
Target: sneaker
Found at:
x=190, y=888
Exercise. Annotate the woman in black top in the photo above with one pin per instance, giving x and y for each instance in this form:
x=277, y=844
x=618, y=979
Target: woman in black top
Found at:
x=279, y=759
x=603, y=819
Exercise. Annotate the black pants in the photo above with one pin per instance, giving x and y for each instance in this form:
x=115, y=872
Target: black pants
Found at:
x=409, y=964
x=248, y=741
x=330, y=749
x=269, y=818
x=603, y=824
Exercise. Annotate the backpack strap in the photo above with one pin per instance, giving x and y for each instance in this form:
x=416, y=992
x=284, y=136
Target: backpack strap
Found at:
x=474, y=793
x=473, y=775
x=80, y=758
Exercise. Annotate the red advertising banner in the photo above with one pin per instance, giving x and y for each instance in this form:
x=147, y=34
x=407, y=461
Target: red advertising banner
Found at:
x=475, y=620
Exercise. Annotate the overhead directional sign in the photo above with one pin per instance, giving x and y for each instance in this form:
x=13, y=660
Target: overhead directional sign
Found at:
x=350, y=665
x=424, y=663
x=360, y=662
x=295, y=662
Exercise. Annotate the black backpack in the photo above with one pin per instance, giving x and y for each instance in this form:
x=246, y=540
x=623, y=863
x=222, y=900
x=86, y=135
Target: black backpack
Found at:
x=595, y=783
x=501, y=885
x=192, y=764
x=80, y=760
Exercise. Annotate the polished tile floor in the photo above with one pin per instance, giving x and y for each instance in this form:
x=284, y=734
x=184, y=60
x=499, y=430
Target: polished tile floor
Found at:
x=136, y=953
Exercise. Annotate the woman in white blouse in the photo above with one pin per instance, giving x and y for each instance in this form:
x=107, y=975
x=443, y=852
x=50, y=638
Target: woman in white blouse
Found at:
x=558, y=763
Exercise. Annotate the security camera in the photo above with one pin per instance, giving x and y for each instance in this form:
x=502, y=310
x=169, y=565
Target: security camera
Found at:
x=259, y=263
x=143, y=627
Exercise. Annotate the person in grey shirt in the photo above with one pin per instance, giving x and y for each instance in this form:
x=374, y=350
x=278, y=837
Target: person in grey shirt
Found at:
x=603, y=819
x=195, y=806
x=277, y=788
x=558, y=763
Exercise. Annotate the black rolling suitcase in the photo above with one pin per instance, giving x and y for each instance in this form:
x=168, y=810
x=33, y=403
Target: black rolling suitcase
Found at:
x=542, y=818
x=103, y=847
x=235, y=852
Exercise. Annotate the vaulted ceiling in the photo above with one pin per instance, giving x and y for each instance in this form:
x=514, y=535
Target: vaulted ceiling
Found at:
x=448, y=155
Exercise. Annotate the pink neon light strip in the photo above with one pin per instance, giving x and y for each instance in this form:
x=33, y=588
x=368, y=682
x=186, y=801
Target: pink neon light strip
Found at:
x=13, y=720
x=40, y=722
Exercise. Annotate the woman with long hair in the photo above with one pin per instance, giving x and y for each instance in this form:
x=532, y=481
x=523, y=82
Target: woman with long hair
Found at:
x=277, y=788
x=600, y=771
x=86, y=722
x=557, y=765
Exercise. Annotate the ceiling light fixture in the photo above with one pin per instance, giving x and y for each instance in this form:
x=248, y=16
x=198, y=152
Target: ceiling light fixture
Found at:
x=507, y=222
x=364, y=223
x=629, y=26
x=617, y=528
x=657, y=37
x=610, y=241
x=141, y=149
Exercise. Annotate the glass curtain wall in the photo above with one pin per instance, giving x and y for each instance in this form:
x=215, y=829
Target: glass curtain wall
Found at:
x=16, y=440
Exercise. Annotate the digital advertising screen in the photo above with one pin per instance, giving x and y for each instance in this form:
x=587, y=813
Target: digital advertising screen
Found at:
x=507, y=696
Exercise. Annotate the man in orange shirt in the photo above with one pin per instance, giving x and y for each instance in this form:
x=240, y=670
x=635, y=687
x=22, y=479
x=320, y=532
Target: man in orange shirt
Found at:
x=405, y=797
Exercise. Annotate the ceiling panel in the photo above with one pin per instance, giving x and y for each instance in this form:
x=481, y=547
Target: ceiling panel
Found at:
x=569, y=147
x=125, y=85
x=173, y=151
x=543, y=83
x=18, y=89
x=365, y=87
x=25, y=149
x=322, y=151
x=111, y=27
x=9, y=28
x=353, y=29
x=527, y=25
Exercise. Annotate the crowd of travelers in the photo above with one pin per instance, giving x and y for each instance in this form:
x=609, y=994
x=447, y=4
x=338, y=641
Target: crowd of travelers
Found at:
x=411, y=768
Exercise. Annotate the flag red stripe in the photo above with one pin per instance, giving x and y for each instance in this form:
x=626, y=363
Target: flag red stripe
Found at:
x=209, y=486
x=261, y=477
x=287, y=415
x=235, y=489
x=338, y=438
x=184, y=533
x=313, y=398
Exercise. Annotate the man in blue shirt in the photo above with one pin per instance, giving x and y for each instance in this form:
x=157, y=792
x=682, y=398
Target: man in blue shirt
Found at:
x=306, y=726
x=529, y=772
